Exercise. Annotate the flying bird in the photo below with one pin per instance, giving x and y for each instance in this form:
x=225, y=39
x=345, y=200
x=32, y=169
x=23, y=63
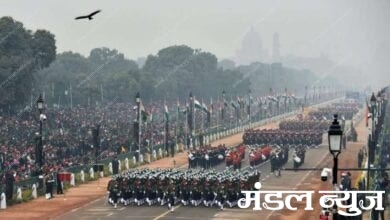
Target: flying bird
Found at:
x=88, y=16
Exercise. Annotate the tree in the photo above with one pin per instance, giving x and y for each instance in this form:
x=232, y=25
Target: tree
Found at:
x=22, y=54
x=227, y=64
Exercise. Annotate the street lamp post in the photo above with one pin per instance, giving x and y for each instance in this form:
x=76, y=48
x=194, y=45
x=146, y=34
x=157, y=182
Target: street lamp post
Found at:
x=138, y=101
x=335, y=139
x=39, y=156
x=371, y=144
x=373, y=103
x=305, y=96
x=223, y=113
x=192, y=111
x=249, y=108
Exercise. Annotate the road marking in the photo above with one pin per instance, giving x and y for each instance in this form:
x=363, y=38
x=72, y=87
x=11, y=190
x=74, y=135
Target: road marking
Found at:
x=121, y=209
x=109, y=214
x=239, y=210
x=185, y=217
x=166, y=212
x=99, y=209
x=302, y=179
x=303, y=184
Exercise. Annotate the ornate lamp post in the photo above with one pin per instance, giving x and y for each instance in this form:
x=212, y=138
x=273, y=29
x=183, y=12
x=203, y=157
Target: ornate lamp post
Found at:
x=371, y=144
x=335, y=140
x=138, y=101
x=249, y=108
x=39, y=147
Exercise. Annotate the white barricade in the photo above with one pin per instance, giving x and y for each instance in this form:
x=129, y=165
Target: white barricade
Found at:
x=82, y=176
x=72, y=180
x=127, y=163
x=3, y=202
x=34, y=191
x=110, y=170
x=19, y=194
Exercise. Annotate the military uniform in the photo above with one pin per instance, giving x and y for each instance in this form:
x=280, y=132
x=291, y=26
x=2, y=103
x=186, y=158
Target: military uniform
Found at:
x=191, y=187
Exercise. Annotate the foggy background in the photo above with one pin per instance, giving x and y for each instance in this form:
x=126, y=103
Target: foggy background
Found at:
x=343, y=38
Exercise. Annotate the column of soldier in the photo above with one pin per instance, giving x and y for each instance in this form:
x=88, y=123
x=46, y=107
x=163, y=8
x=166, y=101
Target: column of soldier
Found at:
x=209, y=157
x=343, y=109
x=206, y=157
x=274, y=144
x=169, y=187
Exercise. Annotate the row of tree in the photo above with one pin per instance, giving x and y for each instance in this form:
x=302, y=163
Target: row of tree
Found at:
x=29, y=65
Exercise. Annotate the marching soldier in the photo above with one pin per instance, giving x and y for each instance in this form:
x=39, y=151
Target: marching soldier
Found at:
x=59, y=185
x=273, y=162
x=191, y=187
x=360, y=158
x=49, y=181
x=115, y=165
x=171, y=195
x=115, y=193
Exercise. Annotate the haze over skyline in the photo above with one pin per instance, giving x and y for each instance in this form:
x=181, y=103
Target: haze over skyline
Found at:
x=350, y=32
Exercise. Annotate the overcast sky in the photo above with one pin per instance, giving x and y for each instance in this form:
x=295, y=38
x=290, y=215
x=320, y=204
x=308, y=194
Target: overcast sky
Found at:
x=352, y=32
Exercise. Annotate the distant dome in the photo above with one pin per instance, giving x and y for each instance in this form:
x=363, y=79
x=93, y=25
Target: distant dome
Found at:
x=252, y=40
x=251, y=49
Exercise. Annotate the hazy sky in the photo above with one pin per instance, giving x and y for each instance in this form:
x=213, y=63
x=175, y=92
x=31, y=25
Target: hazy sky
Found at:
x=350, y=32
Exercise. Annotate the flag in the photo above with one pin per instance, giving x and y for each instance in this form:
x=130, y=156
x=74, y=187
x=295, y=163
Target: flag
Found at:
x=197, y=104
x=185, y=108
x=144, y=113
x=239, y=101
x=178, y=106
x=211, y=105
x=233, y=104
x=166, y=112
x=151, y=114
x=202, y=106
x=272, y=98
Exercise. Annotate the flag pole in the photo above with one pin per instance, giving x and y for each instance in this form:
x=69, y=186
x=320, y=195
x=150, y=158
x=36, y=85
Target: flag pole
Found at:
x=186, y=124
x=202, y=119
x=177, y=123
x=138, y=101
x=218, y=109
x=210, y=112
x=193, y=119
x=165, y=127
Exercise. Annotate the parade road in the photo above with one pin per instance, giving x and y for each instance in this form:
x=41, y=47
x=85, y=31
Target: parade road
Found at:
x=289, y=180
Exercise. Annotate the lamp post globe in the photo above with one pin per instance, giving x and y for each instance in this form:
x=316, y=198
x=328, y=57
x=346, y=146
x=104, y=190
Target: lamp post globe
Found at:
x=335, y=134
x=137, y=98
x=40, y=103
x=373, y=102
x=39, y=146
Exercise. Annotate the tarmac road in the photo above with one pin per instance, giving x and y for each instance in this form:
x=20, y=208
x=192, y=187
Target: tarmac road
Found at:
x=289, y=180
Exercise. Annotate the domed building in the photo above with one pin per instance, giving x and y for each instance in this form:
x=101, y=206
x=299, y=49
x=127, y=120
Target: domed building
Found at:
x=251, y=49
